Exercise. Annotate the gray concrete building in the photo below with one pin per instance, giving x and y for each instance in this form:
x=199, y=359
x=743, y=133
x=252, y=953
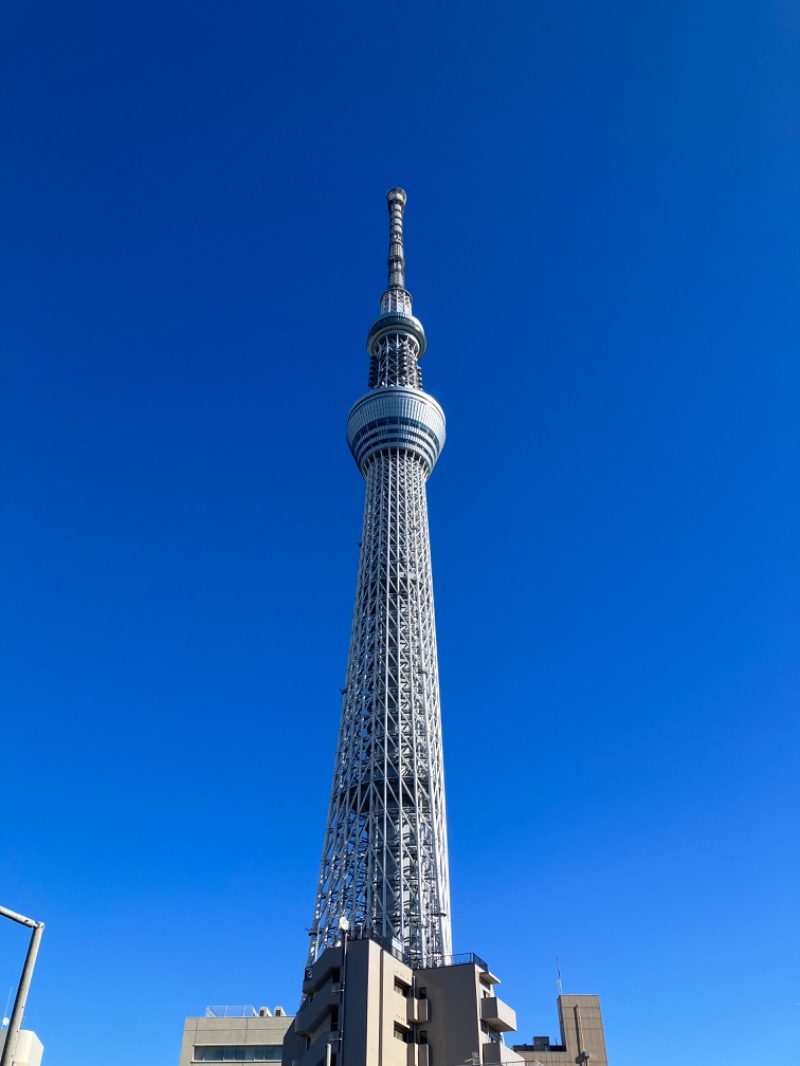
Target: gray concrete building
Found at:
x=364, y=1005
x=235, y=1034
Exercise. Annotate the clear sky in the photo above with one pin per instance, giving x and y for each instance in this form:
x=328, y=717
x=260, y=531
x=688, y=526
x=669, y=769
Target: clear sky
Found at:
x=602, y=239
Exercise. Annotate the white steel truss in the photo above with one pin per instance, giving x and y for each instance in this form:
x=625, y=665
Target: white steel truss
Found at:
x=384, y=861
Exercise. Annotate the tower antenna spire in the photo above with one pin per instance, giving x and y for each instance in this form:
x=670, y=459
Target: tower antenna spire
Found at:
x=396, y=199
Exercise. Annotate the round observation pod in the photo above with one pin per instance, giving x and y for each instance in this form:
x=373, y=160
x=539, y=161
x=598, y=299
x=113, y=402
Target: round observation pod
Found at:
x=392, y=418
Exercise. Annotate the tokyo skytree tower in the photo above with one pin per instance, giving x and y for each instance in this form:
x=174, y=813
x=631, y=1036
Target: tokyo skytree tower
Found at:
x=384, y=861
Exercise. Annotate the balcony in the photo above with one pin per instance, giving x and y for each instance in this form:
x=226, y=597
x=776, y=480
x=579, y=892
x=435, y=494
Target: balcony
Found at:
x=418, y=1011
x=317, y=1053
x=314, y=1009
x=498, y=1014
x=320, y=972
x=499, y=1055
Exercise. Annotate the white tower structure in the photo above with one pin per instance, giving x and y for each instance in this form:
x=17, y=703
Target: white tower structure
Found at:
x=381, y=986
x=384, y=862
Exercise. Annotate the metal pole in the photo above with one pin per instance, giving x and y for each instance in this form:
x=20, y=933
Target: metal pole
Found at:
x=344, y=997
x=6, y=913
x=10, y=1046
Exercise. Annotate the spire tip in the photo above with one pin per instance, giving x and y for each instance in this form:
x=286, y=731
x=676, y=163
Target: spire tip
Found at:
x=396, y=199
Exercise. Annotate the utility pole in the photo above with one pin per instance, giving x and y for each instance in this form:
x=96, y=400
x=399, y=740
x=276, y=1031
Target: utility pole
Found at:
x=10, y=1046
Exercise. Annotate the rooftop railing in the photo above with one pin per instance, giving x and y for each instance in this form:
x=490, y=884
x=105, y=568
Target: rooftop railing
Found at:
x=246, y=1011
x=359, y=931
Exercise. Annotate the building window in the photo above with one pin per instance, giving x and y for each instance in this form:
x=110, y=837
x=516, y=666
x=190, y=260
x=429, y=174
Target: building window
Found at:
x=493, y=1035
x=240, y=1053
x=400, y=1033
x=422, y=993
x=401, y=988
x=423, y=1036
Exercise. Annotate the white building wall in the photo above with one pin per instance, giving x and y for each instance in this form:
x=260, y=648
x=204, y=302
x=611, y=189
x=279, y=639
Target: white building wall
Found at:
x=29, y=1048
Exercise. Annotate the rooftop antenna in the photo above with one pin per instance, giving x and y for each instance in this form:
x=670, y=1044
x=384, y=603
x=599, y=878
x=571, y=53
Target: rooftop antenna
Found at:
x=558, y=972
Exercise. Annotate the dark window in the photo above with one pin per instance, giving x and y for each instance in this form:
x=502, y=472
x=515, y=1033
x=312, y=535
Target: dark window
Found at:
x=423, y=1036
x=423, y=993
x=400, y=987
x=239, y=1053
x=400, y=1033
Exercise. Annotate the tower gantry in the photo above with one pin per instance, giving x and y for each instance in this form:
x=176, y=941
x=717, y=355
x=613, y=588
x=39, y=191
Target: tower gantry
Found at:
x=384, y=861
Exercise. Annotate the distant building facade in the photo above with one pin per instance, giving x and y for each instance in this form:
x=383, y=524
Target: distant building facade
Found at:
x=582, y=1037
x=234, y=1034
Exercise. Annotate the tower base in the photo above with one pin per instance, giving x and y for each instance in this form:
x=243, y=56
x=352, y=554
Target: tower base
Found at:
x=363, y=1006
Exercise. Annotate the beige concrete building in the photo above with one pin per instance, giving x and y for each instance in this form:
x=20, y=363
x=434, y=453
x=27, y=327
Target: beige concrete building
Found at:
x=235, y=1034
x=582, y=1038
x=364, y=1007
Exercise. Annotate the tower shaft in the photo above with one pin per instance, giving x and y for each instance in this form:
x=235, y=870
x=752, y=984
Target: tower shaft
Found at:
x=384, y=861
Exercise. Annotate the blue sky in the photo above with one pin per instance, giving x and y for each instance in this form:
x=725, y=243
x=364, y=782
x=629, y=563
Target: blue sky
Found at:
x=602, y=243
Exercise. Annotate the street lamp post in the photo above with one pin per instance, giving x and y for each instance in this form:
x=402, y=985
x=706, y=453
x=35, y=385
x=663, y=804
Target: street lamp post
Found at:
x=10, y=1046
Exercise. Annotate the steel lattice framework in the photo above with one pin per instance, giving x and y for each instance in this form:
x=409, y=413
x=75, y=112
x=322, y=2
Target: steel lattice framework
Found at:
x=384, y=862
